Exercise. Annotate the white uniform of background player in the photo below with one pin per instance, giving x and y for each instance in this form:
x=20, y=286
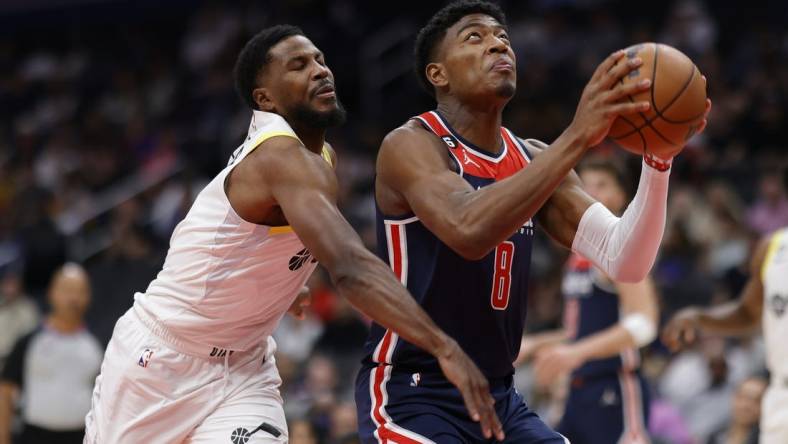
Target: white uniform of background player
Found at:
x=774, y=407
x=196, y=347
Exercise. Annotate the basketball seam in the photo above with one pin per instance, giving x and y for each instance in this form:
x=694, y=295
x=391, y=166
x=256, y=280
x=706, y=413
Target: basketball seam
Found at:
x=642, y=139
x=647, y=122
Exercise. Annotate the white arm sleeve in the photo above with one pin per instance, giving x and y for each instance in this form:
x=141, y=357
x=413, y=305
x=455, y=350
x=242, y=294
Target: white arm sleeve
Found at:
x=625, y=248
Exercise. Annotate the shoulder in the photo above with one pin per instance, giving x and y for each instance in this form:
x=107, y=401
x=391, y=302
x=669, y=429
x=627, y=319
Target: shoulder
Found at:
x=283, y=155
x=766, y=247
x=406, y=134
x=533, y=147
x=413, y=145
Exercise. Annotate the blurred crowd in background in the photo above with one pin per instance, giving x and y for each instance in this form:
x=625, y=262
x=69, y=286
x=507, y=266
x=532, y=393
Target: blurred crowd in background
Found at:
x=114, y=114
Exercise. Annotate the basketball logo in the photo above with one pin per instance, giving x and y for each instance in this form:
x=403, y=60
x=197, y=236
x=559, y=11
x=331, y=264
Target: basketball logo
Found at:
x=778, y=304
x=240, y=436
x=300, y=259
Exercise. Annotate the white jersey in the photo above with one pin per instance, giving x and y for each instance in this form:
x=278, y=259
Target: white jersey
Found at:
x=227, y=282
x=774, y=275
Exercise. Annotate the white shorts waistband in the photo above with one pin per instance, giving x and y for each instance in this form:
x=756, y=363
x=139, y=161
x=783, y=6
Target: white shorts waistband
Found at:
x=180, y=344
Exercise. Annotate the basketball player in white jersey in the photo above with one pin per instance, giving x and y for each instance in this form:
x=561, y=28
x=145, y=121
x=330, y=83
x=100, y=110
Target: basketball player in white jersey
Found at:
x=192, y=360
x=764, y=301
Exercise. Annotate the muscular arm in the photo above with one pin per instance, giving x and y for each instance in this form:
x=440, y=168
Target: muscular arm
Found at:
x=623, y=247
x=304, y=186
x=414, y=165
x=737, y=317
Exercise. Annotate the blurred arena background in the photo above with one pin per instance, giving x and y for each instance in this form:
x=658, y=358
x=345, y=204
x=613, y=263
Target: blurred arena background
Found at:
x=114, y=114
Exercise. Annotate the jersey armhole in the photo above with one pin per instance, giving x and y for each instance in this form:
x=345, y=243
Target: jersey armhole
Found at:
x=770, y=252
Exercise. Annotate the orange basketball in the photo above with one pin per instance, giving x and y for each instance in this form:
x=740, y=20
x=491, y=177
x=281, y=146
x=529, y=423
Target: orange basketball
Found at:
x=678, y=102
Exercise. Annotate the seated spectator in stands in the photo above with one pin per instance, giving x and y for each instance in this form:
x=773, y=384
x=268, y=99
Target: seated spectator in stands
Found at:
x=53, y=368
x=18, y=313
x=746, y=406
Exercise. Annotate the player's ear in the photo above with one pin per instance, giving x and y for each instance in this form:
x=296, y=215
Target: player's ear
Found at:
x=436, y=74
x=262, y=98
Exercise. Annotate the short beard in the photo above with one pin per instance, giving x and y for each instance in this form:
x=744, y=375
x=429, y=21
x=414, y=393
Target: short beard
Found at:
x=505, y=90
x=322, y=120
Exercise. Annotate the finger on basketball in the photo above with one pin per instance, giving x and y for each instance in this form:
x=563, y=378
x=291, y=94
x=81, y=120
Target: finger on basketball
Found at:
x=623, y=90
x=620, y=70
x=626, y=108
x=607, y=64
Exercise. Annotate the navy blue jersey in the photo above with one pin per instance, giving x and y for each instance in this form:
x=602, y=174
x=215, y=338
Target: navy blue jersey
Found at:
x=591, y=305
x=481, y=304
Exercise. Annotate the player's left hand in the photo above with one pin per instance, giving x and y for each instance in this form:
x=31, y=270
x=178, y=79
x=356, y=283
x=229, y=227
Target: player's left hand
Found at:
x=552, y=362
x=303, y=300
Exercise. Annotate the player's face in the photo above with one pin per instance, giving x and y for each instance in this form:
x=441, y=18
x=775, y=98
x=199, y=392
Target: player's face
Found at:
x=478, y=58
x=602, y=186
x=299, y=85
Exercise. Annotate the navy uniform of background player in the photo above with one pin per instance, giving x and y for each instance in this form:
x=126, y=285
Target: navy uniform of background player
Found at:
x=604, y=323
x=456, y=193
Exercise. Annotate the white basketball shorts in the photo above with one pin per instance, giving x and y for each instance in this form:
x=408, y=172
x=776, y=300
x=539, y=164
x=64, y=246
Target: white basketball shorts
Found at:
x=774, y=413
x=154, y=388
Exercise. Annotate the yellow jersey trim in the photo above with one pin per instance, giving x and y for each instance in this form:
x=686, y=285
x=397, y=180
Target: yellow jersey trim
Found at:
x=771, y=251
x=327, y=156
x=273, y=231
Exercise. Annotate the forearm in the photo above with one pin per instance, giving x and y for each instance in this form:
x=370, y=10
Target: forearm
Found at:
x=490, y=215
x=369, y=285
x=6, y=413
x=604, y=344
x=731, y=318
x=531, y=344
x=625, y=248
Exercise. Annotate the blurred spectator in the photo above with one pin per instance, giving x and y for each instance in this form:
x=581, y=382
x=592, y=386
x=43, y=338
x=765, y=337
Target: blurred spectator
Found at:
x=746, y=408
x=770, y=211
x=53, y=368
x=18, y=314
x=301, y=431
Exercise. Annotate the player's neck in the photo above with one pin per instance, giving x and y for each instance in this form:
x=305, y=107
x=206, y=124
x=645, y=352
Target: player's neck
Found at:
x=481, y=127
x=64, y=324
x=312, y=138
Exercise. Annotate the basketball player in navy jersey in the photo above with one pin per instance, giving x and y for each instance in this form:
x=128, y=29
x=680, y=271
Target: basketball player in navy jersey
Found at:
x=604, y=324
x=456, y=197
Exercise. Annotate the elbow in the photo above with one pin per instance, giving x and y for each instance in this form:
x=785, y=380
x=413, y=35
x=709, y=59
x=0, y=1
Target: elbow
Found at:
x=631, y=272
x=469, y=243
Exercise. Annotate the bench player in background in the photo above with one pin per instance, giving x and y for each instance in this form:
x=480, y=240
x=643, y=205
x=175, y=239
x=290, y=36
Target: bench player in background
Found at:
x=192, y=360
x=456, y=193
x=605, y=322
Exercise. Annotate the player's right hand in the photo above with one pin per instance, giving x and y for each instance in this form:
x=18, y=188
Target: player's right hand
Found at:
x=463, y=373
x=604, y=99
x=681, y=330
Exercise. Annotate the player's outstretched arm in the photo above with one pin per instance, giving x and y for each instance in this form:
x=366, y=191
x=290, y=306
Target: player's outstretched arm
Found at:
x=414, y=167
x=636, y=328
x=623, y=247
x=737, y=317
x=305, y=188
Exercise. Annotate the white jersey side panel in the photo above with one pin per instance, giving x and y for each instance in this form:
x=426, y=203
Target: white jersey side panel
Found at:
x=775, y=305
x=227, y=282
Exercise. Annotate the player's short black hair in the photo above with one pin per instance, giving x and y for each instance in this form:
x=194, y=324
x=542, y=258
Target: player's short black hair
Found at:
x=433, y=32
x=254, y=57
x=613, y=168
